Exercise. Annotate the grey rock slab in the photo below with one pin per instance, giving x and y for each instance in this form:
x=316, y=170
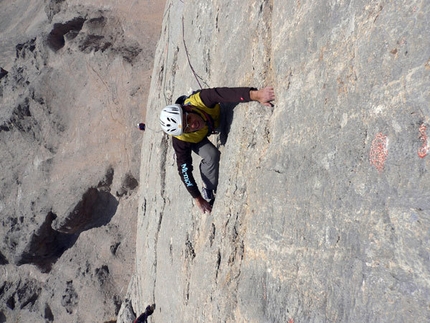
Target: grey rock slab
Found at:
x=321, y=212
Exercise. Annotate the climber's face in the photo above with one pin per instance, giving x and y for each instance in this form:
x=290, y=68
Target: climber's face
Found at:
x=193, y=122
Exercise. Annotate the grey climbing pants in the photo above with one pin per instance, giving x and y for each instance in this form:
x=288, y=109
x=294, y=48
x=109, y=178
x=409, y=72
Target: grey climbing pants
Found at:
x=209, y=165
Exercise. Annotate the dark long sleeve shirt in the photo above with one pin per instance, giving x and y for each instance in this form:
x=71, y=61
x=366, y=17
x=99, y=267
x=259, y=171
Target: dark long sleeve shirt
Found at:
x=183, y=149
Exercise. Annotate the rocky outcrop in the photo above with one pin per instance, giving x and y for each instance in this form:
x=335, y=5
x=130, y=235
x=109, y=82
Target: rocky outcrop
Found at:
x=73, y=82
x=321, y=213
x=322, y=210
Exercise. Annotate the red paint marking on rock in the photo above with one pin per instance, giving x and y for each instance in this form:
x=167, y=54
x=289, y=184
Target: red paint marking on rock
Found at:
x=379, y=151
x=423, y=150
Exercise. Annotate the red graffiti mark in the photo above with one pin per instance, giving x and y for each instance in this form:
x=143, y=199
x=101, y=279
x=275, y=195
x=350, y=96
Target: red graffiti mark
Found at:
x=379, y=151
x=423, y=150
x=291, y=321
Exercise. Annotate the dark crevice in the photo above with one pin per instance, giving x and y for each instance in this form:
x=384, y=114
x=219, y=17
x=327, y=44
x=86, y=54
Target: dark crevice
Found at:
x=218, y=264
x=46, y=246
x=22, y=49
x=70, y=298
x=19, y=118
x=3, y=261
x=102, y=274
x=48, y=315
x=95, y=209
x=129, y=183
x=3, y=72
x=56, y=39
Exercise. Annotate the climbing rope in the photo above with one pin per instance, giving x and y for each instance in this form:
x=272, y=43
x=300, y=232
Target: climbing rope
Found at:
x=188, y=55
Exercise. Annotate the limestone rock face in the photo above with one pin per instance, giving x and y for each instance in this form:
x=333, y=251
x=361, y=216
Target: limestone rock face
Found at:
x=322, y=212
x=73, y=85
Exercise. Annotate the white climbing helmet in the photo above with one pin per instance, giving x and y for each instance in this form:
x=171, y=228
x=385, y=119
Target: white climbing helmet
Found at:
x=171, y=119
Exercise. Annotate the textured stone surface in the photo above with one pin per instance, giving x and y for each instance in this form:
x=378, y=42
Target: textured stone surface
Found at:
x=75, y=76
x=322, y=213
x=307, y=227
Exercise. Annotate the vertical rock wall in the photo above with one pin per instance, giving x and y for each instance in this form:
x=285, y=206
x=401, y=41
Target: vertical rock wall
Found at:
x=322, y=212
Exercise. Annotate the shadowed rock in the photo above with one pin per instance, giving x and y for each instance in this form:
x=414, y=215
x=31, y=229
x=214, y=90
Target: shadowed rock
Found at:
x=56, y=39
x=94, y=210
x=3, y=72
x=46, y=246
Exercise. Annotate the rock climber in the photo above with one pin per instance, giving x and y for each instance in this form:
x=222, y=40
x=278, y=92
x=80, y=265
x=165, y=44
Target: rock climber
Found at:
x=190, y=121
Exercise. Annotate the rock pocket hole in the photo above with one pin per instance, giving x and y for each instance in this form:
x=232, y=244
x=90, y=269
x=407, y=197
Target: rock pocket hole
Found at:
x=56, y=39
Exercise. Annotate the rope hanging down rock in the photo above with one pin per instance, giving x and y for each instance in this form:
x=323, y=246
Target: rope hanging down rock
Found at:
x=188, y=56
